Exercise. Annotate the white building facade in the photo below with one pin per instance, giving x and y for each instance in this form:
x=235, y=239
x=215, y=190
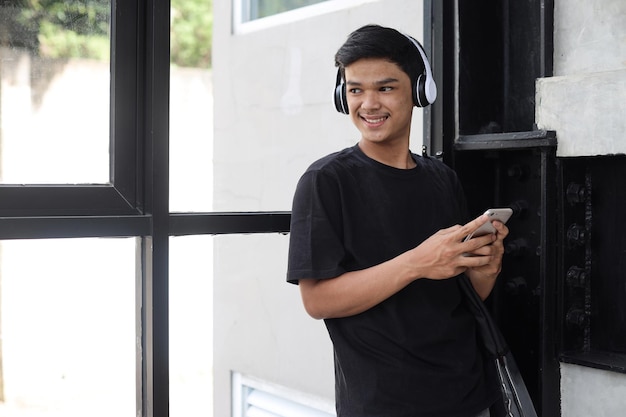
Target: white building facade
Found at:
x=273, y=81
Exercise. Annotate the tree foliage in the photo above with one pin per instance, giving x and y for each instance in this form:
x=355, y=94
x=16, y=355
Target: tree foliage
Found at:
x=191, y=33
x=69, y=28
x=81, y=28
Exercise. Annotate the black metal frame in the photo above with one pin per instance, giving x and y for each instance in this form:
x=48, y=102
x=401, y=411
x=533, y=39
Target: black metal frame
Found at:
x=518, y=171
x=481, y=158
x=591, y=302
x=136, y=201
x=120, y=196
x=579, y=300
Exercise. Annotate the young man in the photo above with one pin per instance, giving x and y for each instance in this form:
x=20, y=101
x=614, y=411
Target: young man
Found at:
x=377, y=248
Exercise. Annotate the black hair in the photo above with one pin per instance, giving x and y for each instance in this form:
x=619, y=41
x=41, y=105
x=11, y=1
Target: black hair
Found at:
x=374, y=41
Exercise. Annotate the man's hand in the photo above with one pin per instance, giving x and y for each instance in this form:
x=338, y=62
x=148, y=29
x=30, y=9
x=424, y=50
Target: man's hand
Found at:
x=445, y=254
x=483, y=277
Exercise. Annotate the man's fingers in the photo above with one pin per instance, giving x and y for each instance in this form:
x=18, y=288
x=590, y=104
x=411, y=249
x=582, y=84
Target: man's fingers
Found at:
x=476, y=259
x=448, y=230
x=479, y=242
x=503, y=231
x=469, y=227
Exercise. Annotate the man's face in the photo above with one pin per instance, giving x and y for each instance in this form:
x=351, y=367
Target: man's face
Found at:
x=380, y=100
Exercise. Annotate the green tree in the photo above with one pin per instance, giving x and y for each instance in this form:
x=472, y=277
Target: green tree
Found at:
x=191, y=33
x=81, y=28
x=68, y=28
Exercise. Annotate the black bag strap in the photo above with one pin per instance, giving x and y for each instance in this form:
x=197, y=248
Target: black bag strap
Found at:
x=491, y=336
x=515, y=394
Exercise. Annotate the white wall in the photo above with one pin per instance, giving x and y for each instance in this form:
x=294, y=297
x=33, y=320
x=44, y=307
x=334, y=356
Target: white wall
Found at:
x=273, y=95
x=273, y=86
x=588, y=392
x=584, y=103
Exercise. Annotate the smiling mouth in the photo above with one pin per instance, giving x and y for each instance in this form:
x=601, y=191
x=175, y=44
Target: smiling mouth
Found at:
x=374, y=120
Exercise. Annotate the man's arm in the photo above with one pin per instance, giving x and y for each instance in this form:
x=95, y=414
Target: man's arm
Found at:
x=441, y=256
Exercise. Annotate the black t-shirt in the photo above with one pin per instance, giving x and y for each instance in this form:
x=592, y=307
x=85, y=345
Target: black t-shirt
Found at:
x=414, y=354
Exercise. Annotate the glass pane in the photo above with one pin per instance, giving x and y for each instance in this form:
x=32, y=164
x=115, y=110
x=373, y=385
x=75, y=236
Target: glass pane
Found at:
x=54, y=91
x=232, y=311
x=260, y=327
x=191, y=106
x=191, y=326
x=68, y=328
x=256, y=9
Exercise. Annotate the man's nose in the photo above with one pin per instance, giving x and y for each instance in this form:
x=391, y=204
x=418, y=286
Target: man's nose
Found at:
x=370, y=100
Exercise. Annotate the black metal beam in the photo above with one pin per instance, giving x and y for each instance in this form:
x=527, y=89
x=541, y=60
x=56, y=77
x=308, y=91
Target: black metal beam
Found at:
x=180, y=224
x=127, y=67
x=51, y=200
x=439, y=43
x=225, y=223
x=153, y=136
x=550, y=380
x=73, y=227
x=502, y=141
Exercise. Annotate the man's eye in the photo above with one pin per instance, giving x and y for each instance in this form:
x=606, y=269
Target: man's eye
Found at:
x=386, y=88
x=355, y=90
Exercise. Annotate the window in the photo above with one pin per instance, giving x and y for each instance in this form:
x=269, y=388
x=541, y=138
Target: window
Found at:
x=256, y=9
x=252, y=15
x=68, y=122
x=63, y=347
x=191, y=329
x=86, y=309
x=54, y=93
x=191, y=107
x=129, y=203
x=254, y=398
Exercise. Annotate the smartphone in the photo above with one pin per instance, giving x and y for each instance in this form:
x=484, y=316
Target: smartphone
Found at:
x=500, y=214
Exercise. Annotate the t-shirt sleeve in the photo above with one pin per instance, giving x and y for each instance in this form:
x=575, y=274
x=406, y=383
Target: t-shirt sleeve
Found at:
x=316, y=247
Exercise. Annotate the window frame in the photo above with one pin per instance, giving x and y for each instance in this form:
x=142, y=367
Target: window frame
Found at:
x=244, y=9
x=119, y=196
x=275, y=399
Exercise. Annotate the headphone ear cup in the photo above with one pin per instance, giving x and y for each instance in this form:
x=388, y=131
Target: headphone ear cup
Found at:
x=341, y=103
x=426, y=89
x=419, y=97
